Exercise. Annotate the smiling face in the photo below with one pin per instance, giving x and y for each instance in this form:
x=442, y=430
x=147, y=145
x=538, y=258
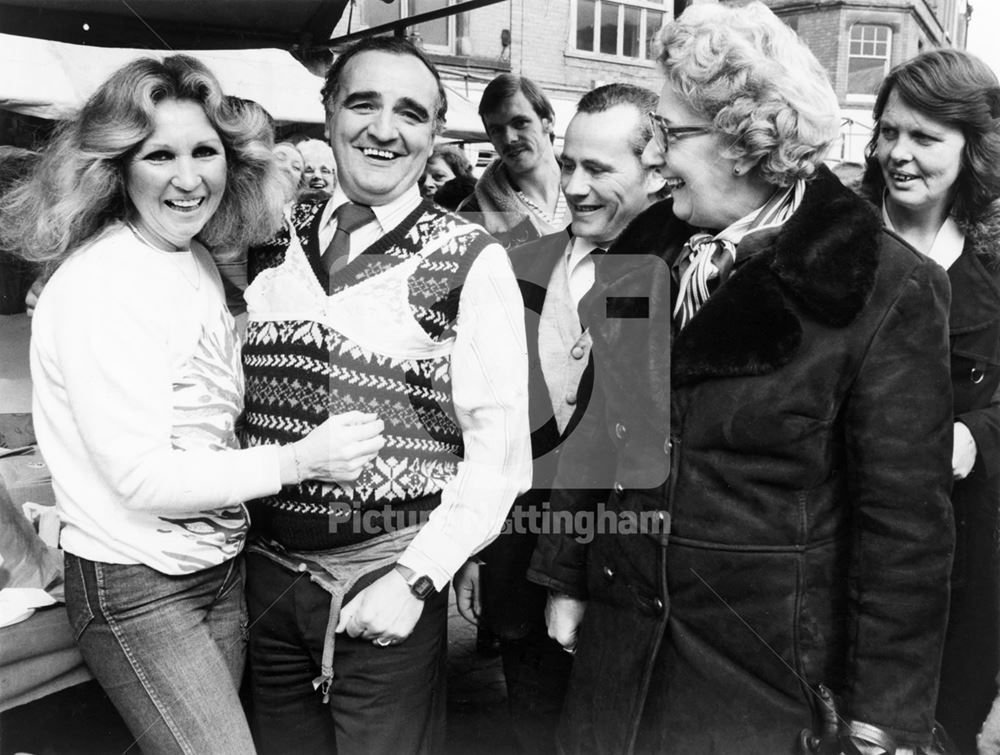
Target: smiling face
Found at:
x=436, y=174
x=705, y=192
x=381, y=125
x=603, y=179
x=920, y=158
x=518, y=135
x=319, y=175
x=177, y=177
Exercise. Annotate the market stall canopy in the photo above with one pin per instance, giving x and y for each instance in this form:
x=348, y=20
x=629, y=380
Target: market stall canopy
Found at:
x=52, y=79
x=175, y=24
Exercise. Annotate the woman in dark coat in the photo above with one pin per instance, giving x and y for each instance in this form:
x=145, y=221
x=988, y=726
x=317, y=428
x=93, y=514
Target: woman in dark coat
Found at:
x=934, y=172
x=801, y=464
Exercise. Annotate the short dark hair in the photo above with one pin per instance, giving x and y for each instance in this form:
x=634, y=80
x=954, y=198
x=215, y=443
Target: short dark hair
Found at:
x=392, y=46
x=959, y=89
x=507, y=85
x=608, y=96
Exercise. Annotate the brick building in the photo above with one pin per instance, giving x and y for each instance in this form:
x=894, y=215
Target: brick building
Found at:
x=858, y=41
x=571, y=46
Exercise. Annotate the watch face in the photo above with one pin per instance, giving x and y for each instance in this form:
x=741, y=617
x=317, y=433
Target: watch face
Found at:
x=423, y=587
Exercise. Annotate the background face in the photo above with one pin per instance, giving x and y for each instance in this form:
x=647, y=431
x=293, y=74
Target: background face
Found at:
x=382, y=125
x=518, y=135
x=436, y=174
x=289, y=161
x=603, y=179
x=319, y=174
x=920, y=158
x=178, y=175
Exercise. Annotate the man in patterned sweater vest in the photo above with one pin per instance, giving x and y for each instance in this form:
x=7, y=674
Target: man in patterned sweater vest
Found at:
x=377, y=303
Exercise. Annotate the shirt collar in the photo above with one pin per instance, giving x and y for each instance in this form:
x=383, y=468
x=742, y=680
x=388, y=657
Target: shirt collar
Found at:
x=387, y=215
x=948, y=244
x=577, y=251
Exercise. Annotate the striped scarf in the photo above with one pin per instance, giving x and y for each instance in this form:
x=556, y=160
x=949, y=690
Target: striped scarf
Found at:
x=706, y=261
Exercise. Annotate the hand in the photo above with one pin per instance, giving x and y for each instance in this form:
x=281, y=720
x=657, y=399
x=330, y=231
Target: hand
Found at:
x=988, y=740
x=385, y=611
x=468, y=597
x=563, y=615
x=31, y=298
x=963, y=455
x=340, y=448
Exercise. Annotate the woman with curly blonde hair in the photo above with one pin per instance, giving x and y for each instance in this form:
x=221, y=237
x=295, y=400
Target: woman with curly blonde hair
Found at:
x=138, y=386
x=793, y=442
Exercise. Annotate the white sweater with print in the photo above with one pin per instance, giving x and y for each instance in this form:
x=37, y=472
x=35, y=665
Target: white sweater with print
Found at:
x=137, y=388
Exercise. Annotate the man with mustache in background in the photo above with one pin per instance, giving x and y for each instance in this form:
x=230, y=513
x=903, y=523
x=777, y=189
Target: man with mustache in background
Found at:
x=518, y=194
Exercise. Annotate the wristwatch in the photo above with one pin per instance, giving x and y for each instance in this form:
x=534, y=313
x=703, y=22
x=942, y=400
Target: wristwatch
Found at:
x=421, y=585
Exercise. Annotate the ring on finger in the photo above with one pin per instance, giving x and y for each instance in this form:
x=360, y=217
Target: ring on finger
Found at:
x=382, y=642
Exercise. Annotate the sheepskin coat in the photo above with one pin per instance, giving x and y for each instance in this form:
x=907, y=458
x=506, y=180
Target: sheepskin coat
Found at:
x=800, y=463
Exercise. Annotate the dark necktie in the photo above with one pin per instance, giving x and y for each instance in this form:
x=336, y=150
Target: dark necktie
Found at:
x=350, y=217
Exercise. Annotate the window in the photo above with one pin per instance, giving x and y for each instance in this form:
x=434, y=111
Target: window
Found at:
x=624, y=29
x=868, y=60
x=435, y=35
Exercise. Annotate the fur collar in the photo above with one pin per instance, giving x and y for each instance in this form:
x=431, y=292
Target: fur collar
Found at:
x=983, y=236
x=823, y=262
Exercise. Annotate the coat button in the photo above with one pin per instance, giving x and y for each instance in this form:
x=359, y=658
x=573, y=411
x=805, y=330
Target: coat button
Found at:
x=619, y=488
x=608, y=573
x=976, y=375
x=620, y=430
x=658, y=605
x=577, y=352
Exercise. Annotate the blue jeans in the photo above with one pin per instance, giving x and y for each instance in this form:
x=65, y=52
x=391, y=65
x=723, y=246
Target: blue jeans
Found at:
x=168, y=650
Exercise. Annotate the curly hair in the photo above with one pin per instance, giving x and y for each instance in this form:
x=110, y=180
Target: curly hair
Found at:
x=960, y=90
x=78, y=188
x=747, y=72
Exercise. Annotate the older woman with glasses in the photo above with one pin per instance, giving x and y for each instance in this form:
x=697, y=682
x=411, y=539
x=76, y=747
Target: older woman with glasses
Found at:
x=793, y=596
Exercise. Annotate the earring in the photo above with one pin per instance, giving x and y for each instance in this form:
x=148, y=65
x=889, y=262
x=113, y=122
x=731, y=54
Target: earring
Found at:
x=737, y=171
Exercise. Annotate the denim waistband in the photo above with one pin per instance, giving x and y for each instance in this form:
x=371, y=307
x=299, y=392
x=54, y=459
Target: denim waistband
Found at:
x=337, y=571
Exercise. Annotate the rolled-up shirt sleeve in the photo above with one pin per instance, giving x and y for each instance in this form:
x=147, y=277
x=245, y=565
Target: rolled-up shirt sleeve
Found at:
x=489, y=373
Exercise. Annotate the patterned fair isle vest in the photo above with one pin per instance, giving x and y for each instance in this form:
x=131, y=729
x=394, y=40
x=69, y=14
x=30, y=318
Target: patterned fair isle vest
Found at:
x=379, y=342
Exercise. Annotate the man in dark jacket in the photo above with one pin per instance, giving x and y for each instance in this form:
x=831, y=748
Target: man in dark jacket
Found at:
x=606, y=187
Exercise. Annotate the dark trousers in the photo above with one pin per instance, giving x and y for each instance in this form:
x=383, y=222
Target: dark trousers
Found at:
x=536, y=670
x=383, y=700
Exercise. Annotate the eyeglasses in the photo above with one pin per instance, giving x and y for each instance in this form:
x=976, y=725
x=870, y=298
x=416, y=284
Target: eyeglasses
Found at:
x=663, y=132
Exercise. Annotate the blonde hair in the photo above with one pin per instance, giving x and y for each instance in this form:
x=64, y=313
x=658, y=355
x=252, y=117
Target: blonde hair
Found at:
x=749, y=73
x=78, y=188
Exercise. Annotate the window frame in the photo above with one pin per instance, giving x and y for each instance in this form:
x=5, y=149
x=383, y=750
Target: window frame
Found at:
x=406, y=9
x=866, y=97
x=664, y=7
